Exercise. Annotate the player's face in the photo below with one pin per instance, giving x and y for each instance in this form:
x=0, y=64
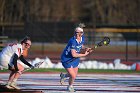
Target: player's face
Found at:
x=78, y=33
x=27, y=44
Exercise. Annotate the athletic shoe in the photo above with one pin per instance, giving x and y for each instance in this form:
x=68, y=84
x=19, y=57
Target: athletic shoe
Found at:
x=71, y=89
x=9, y=87
x=14, y=85
x=62, y=78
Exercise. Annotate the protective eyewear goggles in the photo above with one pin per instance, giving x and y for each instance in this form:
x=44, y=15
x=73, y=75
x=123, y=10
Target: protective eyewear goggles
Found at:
x=79, y=32
x=27, y=44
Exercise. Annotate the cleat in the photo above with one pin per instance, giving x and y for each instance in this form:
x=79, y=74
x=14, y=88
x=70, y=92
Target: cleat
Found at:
x=71, y=89
x=62, y=78
x=9, y=87
x=14, y=85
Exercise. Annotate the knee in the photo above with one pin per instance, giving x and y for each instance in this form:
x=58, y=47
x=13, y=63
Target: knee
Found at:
x=21, y=69
x=73, y=76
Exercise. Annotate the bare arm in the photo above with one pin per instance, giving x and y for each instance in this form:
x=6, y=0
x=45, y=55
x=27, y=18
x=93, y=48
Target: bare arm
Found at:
x=84, y=49
x=75, y=54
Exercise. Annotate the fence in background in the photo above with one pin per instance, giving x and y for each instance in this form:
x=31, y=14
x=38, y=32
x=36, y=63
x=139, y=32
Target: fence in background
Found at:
x=61, y=32
x=3, y=41
x=124, y=37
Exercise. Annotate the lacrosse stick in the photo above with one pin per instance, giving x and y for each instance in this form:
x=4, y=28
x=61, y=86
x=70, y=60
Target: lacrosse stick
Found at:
x=37, y=65
x=104, y=42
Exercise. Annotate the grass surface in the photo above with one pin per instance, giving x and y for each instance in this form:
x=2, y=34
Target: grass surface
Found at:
x=97, y=71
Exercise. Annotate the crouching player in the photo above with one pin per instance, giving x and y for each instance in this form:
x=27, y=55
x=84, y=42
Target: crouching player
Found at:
x=9, y=59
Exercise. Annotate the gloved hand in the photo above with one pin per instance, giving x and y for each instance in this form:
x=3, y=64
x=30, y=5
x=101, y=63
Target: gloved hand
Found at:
x=32, y=67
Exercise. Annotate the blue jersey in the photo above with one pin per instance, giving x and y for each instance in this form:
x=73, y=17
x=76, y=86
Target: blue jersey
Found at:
x=72, y=44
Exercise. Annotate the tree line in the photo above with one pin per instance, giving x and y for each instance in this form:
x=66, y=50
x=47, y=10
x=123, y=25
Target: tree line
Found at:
x=92, y=12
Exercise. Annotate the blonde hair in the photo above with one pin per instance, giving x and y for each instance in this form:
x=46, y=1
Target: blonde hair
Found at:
x=80, y=27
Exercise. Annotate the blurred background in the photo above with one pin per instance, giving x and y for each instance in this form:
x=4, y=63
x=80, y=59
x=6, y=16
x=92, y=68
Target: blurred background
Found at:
x=50, y=24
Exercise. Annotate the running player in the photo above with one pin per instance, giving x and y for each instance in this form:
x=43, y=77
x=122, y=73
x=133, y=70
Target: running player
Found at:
x=72, y=51
x=12, y=58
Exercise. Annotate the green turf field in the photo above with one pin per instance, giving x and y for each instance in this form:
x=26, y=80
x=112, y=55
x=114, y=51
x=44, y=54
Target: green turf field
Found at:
x=46, y=70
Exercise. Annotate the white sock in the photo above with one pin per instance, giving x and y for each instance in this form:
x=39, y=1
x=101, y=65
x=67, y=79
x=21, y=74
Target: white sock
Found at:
x=14, y=80
x=70, y=85
x=9, y=82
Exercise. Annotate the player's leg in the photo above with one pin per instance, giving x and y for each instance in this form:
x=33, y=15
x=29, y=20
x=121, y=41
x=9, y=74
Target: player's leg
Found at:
x=14, y=76
x=73, y=73
x=62, y=75
x=72, y=69
x=11, y=77
x=17, y=75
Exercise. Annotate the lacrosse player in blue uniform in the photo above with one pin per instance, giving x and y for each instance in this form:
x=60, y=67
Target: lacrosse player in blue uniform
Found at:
x=70, y=57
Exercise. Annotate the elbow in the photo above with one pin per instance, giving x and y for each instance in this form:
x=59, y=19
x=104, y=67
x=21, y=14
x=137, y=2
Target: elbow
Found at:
x=74, y=54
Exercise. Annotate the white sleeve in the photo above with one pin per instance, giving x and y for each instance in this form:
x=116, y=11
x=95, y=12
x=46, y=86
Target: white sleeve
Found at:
x=19, y=50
